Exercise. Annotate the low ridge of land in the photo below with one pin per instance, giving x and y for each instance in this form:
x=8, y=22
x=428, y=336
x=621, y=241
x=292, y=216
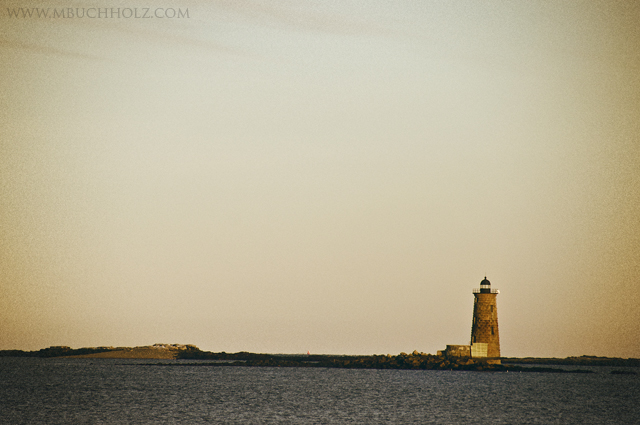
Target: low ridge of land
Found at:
x=156, y=351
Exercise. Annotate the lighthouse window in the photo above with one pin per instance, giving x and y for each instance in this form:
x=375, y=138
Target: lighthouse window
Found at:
x=492, y=309
x=491, y=330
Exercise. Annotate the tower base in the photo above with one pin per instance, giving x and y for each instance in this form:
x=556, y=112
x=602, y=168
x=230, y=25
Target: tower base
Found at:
x=479, y=349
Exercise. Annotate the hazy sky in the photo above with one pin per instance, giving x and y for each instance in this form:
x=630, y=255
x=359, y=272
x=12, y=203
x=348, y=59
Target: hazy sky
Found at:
x=335, y=176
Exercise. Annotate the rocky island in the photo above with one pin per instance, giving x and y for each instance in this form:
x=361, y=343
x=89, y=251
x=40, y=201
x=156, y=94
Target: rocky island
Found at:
x=413, y=361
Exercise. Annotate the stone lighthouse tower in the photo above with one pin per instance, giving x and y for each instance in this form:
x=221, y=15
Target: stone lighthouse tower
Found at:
x=485, y=338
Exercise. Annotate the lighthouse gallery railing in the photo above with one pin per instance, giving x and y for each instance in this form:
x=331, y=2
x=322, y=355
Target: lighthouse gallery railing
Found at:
x=493, y=291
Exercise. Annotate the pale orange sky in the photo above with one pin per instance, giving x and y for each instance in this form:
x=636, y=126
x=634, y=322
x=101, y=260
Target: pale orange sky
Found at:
x=284, y=176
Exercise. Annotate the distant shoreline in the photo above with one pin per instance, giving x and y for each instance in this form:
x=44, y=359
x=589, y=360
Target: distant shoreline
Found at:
x=412, y=361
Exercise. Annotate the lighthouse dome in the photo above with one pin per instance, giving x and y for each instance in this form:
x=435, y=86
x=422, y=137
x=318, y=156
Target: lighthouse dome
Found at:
x=485, y=281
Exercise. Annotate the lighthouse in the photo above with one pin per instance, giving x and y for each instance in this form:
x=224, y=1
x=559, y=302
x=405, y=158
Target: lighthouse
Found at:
x=485, y=338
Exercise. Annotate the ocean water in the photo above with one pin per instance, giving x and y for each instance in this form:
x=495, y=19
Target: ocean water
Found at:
x=109, y=391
